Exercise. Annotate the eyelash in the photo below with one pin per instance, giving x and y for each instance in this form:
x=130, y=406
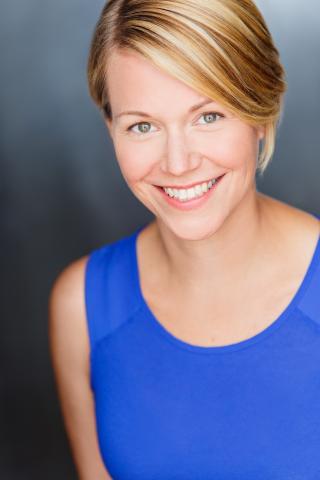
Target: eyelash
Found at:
x=129, y=129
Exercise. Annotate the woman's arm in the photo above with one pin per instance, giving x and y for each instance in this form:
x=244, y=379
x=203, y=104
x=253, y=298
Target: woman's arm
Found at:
x=69, y=350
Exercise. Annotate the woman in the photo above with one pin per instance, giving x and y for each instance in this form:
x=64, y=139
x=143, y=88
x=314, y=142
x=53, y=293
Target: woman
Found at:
x=190, y=349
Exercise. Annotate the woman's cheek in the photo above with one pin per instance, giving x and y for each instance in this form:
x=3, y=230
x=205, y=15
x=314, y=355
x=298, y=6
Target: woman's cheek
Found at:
x=232, y=149
x=130, y=162
x=222, y=149
x=136, y=160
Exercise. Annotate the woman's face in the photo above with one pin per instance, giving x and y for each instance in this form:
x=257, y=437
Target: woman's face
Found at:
x=170, y=143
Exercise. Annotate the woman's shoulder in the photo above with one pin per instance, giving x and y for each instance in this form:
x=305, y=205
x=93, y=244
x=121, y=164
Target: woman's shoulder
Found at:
x=66, y=307
x=66, y=299
x=66, y=284
x=69, y=283
x=67, y=291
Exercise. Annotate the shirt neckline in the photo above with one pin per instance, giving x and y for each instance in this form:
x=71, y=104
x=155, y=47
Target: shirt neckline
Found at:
x=166, y=334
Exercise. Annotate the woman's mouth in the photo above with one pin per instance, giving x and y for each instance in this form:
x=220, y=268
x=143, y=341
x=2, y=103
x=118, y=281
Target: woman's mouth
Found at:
x=186, y=199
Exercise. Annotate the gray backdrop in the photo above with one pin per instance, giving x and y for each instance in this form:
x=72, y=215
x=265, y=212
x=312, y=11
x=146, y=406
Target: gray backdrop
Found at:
x=62, y=193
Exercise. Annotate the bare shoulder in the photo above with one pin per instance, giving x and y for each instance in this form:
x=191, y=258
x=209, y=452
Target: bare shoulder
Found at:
x=67, y=289
x=67, y=314
x=69, y=349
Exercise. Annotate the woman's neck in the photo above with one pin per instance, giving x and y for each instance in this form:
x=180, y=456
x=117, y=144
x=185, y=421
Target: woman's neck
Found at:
x=226, y=258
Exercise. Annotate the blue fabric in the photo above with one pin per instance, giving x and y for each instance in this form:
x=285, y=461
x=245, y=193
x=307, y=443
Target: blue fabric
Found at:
x=169, y=410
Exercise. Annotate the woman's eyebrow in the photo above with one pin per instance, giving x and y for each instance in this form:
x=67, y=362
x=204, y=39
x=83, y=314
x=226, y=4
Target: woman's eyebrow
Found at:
x=144, y=114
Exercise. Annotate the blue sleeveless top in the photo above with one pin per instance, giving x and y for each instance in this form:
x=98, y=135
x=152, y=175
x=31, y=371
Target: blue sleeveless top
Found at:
x=169, y=410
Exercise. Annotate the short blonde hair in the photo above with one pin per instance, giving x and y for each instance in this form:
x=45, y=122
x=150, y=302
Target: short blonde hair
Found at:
x=221, y=48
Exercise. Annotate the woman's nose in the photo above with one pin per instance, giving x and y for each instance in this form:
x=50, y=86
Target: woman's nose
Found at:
x=179, y=156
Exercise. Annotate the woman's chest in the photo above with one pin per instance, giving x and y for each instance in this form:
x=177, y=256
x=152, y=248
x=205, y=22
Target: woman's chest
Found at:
x=213, y=323
x=164, y=414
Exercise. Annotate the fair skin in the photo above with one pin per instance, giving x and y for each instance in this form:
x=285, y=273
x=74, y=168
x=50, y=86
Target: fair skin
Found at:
x=202, y=251
x=238, y=245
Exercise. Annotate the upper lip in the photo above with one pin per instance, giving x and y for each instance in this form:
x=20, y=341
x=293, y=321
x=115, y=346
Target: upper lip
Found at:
x=190, y=185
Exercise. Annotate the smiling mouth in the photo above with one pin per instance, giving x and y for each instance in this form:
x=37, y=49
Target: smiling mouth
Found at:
x=190, y=185
x=190, y=195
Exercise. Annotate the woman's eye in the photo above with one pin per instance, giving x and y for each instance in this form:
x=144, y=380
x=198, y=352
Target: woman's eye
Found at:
x=143, y=126
x=142, y=130
x=211, y=115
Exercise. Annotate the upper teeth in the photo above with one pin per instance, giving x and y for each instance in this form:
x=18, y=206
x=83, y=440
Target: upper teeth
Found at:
x=187, y=194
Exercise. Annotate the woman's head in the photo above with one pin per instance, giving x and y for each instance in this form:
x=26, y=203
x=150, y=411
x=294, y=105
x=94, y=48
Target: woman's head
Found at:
x=163, y=58
x=220, y=48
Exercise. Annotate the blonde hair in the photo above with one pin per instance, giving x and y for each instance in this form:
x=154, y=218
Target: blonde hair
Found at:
x=221, y=48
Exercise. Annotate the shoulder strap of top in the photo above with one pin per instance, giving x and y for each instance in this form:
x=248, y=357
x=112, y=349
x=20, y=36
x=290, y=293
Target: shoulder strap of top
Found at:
x=310, y=301
x=109, y=288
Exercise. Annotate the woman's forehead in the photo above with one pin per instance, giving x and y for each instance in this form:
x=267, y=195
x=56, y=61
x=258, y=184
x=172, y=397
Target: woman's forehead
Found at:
x=132, y=79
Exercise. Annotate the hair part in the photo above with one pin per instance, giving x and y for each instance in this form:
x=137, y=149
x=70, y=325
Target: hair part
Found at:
x=221, y=48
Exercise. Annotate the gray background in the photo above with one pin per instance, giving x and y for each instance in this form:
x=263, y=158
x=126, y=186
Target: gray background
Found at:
x=62, y=193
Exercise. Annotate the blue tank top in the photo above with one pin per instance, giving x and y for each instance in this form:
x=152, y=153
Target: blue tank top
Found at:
x=169, y=410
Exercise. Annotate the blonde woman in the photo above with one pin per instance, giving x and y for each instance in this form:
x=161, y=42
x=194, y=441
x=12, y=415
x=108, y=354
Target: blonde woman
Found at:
x=190, y=349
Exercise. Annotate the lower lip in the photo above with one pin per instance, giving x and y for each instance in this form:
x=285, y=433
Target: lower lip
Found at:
x=194, y=202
